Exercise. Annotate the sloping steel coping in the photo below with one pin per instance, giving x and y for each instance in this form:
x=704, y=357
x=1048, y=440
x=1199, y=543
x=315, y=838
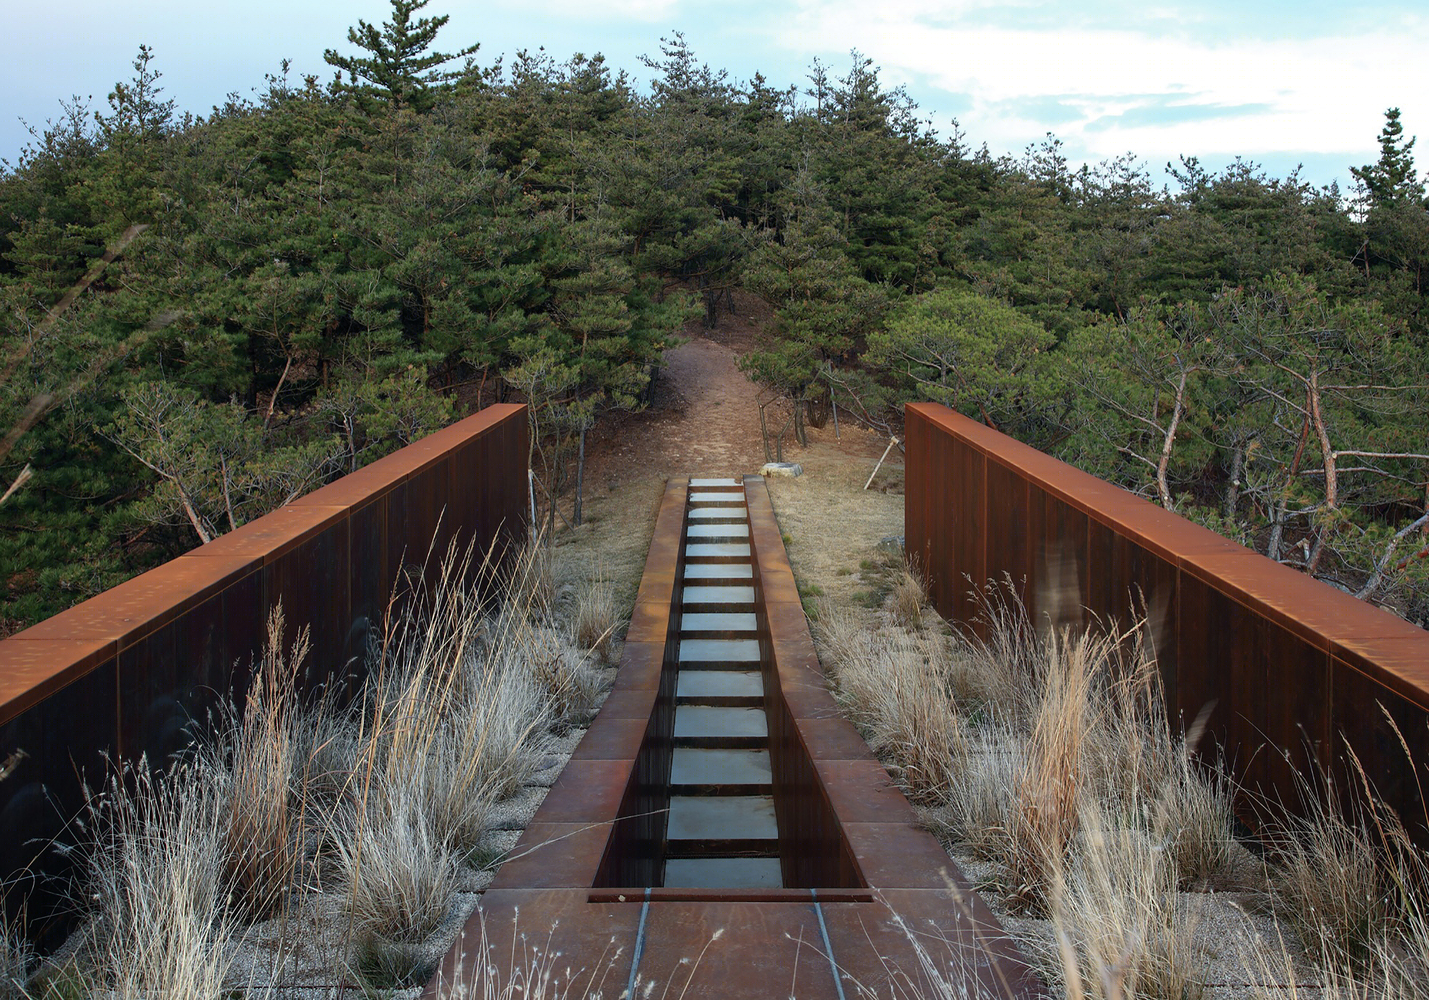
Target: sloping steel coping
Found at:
x=867, y=880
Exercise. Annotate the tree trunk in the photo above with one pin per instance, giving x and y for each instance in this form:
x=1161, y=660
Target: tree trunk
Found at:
x=1233, y=487
x=1277, y=531
x=1162, y=487
x=580, y=479
x=1277, y=527
x=273, y=399
x=1332, y=484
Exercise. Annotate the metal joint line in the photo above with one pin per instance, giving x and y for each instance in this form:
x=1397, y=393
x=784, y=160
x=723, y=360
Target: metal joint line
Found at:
x=828, y=945
x=640, y=948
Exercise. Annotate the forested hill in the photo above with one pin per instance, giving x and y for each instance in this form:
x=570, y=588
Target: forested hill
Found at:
x=298, y=283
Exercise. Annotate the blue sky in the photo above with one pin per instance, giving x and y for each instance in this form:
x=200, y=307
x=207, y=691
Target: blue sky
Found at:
x=1276, y=82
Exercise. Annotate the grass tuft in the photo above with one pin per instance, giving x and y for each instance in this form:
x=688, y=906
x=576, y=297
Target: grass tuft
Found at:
x=380, y=965
x=162, y=925
x=597, y=617
x=894, y=690
x=401, y=876
x=1331, y=878
x=253, y=760
x=15, y=957
x=1117, y=914
x=910, y=596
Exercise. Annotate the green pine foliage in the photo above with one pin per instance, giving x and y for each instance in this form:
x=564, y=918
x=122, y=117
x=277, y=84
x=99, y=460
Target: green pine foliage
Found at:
x=205, y=315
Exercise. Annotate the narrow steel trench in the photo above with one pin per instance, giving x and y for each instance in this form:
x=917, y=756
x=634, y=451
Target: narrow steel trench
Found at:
x=722, y=831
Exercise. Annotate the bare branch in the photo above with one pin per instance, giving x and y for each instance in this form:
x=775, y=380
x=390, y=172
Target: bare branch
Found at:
x=1377, y=578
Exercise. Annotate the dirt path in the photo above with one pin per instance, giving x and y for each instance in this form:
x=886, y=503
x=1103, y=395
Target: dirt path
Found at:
x=704, y=421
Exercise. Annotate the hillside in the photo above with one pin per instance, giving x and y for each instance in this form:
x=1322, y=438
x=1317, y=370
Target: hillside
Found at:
x=205, y=317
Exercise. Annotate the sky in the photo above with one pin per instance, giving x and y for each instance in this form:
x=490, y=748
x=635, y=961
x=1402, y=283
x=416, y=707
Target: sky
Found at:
x=1284, y=84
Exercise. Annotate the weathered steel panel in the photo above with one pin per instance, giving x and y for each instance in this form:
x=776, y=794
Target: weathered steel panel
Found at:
x=1388, y=735
x=917, y=442
x=1284, y=667
x=1135, y=586
x=72, y=731
x=1012, y=548
x=134, y=669
x=967, y=538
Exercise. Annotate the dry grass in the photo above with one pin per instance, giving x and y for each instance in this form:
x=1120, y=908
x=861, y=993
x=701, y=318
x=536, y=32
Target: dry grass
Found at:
x=458, y=720
x=162, y=925
x=529, y=969
x=381, y=800
x=399, y=872
x=1123, y=930
x=896, y=694
x=253, y=763
x=1331, y=879
x=1004, y=658
x=15, y=956
x=1050, y=754
x=564, y=675
x=1050, y=785
x=976, y=811
x=597, y=616
x=1331, y=977
x=909, y=596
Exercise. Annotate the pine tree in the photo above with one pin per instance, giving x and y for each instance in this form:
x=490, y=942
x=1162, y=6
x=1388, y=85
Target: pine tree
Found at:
x=137, y=114
x=1393, y=178
x=396, y=70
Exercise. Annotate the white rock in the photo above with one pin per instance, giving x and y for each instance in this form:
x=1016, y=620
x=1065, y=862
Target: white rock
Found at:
x=782, y=469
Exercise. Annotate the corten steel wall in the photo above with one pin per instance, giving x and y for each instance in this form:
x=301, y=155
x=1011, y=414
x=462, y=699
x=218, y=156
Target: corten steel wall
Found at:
x=132, y=670
x=1286, y=665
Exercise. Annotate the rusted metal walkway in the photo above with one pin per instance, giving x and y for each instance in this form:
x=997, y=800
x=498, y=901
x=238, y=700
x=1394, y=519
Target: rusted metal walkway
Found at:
x=720, y=827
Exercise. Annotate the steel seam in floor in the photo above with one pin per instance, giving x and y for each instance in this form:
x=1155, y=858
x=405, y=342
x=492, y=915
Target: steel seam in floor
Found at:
x=855, y=848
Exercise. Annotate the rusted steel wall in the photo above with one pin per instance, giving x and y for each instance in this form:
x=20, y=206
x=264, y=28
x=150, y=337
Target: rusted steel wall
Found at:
x=620, y=772
x=1289, y=668
x=132, y=670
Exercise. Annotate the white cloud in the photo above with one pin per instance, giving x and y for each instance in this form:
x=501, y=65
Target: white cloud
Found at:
x=1314, y=93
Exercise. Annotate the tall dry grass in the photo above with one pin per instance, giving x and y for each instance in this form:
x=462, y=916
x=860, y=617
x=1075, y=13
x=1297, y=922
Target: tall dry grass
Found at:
x=597, y=616
x=381, y=799
x=1064, y=769
x=157, y=885
x=909, y=595
x=254, y=765
x=468, y=687
x=1352, y=883
x=896, y=693
x=1331, y=881
x=1123, y=929
x=15, y=958
x=1048, y=752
